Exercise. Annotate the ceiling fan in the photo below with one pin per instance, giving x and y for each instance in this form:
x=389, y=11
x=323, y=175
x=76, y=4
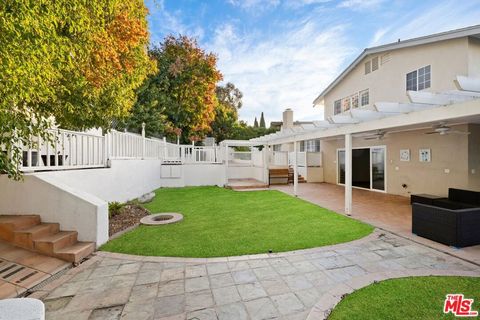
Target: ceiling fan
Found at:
x=443, y=129
x=377, y=135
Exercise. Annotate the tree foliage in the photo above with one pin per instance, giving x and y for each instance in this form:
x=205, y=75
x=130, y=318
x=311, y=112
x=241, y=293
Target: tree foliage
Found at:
x=75, y=63
x=230, y=96
x=243, y=131
x=180, y=96
x=226, y=113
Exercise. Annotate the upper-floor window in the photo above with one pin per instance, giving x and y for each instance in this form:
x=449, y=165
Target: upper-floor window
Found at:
x=364, y=98
x=358, y=99
x=419, y=79
x=337, y=107
x=368, y=67
x=277, y=147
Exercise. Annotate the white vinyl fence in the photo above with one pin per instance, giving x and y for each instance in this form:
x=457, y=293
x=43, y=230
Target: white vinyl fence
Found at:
x=78, y=150
x=68, y=150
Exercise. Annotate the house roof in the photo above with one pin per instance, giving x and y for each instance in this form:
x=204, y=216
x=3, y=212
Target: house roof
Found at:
x=448, y=35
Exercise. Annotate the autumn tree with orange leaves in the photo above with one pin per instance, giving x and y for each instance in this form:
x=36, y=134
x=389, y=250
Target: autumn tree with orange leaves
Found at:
x=180, y=97
x=69, y=63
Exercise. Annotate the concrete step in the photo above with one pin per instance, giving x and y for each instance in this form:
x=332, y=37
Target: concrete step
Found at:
x=10, y=223
x=52, y=243
x=24, y=238
x=76, y=252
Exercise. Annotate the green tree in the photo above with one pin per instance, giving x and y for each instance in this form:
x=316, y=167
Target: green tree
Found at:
x=75, y=64
x=230, y=95
x=243, y=131
x=181, y=95
x=226, y=113
x=262, y=121
x=255, y=123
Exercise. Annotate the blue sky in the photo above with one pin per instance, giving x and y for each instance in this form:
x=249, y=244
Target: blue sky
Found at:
x=282, y=53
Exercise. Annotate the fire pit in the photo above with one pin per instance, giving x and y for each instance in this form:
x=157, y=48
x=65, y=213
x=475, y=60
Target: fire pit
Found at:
x=161, y=218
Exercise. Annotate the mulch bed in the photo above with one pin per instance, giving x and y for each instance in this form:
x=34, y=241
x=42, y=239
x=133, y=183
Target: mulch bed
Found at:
x=129, y=216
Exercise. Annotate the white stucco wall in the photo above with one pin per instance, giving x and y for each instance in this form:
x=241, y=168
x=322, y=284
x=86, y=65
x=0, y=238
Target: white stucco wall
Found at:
x=124, y=180
x=54, y=201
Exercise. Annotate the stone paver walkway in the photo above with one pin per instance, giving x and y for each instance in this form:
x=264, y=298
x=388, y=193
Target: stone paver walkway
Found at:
x=290, y=285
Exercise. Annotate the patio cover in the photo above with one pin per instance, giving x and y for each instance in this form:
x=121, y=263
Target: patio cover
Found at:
x=424, y=110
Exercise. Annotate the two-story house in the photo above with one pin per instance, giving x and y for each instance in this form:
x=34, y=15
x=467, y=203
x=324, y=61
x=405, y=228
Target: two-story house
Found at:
x=425, y=159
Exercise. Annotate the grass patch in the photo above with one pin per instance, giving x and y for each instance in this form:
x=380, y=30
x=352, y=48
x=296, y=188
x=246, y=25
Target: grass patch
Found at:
x=406, y=298
x=220, y=222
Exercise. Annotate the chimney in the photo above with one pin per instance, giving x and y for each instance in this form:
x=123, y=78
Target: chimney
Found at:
x=287, y=119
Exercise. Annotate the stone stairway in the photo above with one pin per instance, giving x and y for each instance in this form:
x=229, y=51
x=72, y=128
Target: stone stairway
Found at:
x=28, y=232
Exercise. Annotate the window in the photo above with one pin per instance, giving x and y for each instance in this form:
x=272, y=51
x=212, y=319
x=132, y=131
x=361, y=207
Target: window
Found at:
x=419, y=79
x=346, y=103
x=310, y=146
x=374, y=64
x=337, y=107
x=412, y=81
x=364, y=98
x=424, y=78
x=368, y=67
x=355, y=101
x=277, y=147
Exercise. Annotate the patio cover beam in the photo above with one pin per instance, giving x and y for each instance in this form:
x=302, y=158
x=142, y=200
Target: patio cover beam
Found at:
x=441, y=113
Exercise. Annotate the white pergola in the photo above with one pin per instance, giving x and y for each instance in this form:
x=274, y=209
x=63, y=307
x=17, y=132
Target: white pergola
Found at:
x=242, y=143
x=424, y=109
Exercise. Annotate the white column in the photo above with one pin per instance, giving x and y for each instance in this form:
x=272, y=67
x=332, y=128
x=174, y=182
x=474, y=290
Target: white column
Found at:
x=226, y=164
x=143, y=140
x=165, y=148
x=295, y=168
x=348, y=173
x=265, y=163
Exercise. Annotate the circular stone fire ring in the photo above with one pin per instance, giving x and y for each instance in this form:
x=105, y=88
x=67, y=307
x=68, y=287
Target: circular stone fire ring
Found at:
x=158, y=219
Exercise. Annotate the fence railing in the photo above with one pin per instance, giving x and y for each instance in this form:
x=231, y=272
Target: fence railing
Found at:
x=76, y=150
x=66, y=150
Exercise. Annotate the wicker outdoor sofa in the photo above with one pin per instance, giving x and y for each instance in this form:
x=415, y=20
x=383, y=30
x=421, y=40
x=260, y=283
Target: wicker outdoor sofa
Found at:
x=454, y=221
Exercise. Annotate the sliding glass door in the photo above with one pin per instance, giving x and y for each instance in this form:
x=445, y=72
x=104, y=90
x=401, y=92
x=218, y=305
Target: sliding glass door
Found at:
x=368, y=167
x=378, y=168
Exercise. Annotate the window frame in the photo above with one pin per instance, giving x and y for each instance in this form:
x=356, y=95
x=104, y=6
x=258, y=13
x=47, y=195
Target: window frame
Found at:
x=363, y=94
x=337, y=107
x=419, y=79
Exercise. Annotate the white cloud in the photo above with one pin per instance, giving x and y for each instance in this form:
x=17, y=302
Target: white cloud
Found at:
x=254, y=4
x=359, y=4
x=163, y=22
x=444, y=16
x=288, y=69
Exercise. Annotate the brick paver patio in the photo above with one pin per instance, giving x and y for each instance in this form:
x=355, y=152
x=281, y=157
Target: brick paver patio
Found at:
x=290, y=285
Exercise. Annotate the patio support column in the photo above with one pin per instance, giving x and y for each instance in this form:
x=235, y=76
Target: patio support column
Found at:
x=348, y=173
x=226, y=163
x=265, y=163
x=295, y=168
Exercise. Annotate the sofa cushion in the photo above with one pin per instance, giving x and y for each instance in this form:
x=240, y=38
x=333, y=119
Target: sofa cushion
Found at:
x=452, y=205
x=464, y=196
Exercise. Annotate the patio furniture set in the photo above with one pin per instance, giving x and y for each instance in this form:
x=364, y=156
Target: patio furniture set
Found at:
x=454, y=221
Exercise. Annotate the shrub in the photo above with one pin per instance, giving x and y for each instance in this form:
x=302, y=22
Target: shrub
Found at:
x=114, y=208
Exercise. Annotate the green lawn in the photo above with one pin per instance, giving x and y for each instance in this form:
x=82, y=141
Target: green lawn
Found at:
x=406, y=298
x=220, y=222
